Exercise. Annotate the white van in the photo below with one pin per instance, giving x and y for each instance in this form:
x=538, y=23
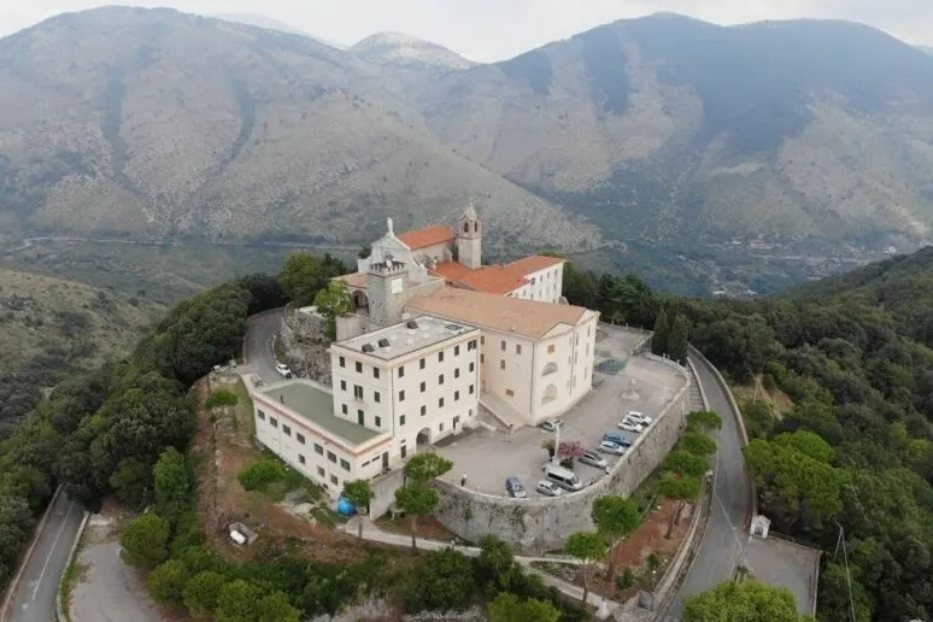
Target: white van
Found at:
x=564, y=478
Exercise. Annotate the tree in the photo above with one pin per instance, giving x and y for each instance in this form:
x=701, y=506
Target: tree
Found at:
x=748, y=601
x=615, y=518
x=698, y=444
x=359, y=493
x=508, y=608
x=422, y=468
x=261, y=474
x=144, y=541
x=238, y=601
x=166, y=583
x=334, y=301
x=703, y=421
x=661, y=334
x=221, y=398
x=678, y=339
x=131, y=481
x=365, y=251
x=416, y=499
x=200, y=593
x=495, y=564
x=686, y=464
x=589, y=547
x=443, y=582
x=172, y=483
x=275, y=607
x=679, y=489
x=301, y=278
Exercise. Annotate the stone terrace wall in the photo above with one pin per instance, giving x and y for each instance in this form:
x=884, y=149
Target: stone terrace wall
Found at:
x=537, y=525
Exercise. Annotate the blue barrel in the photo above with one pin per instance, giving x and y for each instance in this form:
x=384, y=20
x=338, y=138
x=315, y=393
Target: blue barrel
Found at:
x=345, y=508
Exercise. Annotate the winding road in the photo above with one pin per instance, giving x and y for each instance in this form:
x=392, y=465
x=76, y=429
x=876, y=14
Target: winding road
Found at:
x=722, y=545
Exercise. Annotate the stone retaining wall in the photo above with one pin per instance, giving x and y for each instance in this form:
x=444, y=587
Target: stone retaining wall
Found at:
x=537, y=525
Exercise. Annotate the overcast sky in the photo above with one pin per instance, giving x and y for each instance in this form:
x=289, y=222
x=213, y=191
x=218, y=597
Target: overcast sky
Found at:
x=487, y=30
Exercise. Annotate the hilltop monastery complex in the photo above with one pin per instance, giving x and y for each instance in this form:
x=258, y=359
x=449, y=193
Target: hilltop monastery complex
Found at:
x=434, y=337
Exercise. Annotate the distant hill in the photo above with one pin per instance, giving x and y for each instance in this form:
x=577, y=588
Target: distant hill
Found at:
x=261, y=21
x=392, y=48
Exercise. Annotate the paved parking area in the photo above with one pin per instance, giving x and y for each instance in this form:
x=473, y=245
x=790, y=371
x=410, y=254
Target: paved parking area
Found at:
x=487, y=457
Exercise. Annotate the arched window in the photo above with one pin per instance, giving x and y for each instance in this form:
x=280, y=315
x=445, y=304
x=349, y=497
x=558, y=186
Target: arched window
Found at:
x=476, y=227
x=550, y=394
x=550, y=368
x=466, y=227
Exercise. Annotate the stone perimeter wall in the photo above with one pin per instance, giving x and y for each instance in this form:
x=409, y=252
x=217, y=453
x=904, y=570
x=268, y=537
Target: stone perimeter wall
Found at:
x=535, y=526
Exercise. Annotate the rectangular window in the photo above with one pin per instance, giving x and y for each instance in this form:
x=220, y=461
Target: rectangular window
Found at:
x=360, y=417
x=287, y=430
x=472, y=367
x=440, y=428
x=518, y=348
x=482, y=358
x=359, y=367
x=440, y=357
x=510, y=392
x=440, y=379
x=456, y=421
x=301, y=438
x=343, y=362
x=440, y=403
x=334, y=480
x=471, y=389
x=423, y=387
x=502, y=364
x=456, y=396
x=471, y=345
x=424, y=410
x=344, y=465
x=456, y=350
x=318, y=449
x=261, y=415
x=482, y=339
x=320, y=471
x=401, y=420
x=421, y=363
x=378, y=422
x=343, y=409
x=357, y=391
x=550, y=349
x=375, y=372
x=343, y=385
x=377, y=397
x=401, y=371
x=332, y=457
x=301, y=459
x=401, y=395
x=273, y=422
x=502, y=345
x=457, y=373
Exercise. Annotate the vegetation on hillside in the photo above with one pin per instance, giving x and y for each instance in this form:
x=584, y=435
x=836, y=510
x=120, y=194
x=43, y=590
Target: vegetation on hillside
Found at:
x=854, y=454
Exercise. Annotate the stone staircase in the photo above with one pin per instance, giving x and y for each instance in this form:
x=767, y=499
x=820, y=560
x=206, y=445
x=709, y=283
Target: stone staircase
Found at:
x=695, y=398
x=507, y=417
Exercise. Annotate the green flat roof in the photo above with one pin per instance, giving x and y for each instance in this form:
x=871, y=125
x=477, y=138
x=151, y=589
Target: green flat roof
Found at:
x=317, y=406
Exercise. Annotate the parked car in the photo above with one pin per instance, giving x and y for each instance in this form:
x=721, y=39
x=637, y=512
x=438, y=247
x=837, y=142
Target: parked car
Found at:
x=565, y=478
x=549, y=489
x=608, y=447
x=594, y=460
x=639, y=417
x=514, y=487
x=631, y=426
x=283, y=370
x=618, y=439
x=552, y=424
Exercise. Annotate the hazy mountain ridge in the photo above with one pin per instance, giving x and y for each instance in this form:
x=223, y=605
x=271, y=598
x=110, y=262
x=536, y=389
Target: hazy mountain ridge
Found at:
x=393, y=48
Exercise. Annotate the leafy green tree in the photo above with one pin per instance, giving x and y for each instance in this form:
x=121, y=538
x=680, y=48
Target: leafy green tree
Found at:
x=334, y=301
x=302, y=277
x=509, y=608
x=173, y=488
x=496, y=569
x=238, y=601
x=131, y=481
x=589, y=547
x=416, y=499
x=661, y=335
x=275, y=607
x=680, y=490
x=220, y=398
x=443, y=582
x=261, y=474
x=697, y=444
x=201, y=592
x=686, y=464
x=422, y=468
x=678, y=339
x=166, y=583
x=703, y=421
x=144, y=541
x=265, y=292
x=359, y=493
x=615, y=519
x=749, y=601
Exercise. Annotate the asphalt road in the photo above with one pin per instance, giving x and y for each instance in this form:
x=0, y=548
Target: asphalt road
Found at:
x=720, y=550
x=34, y=599
x=258, y=348
x=110, y=591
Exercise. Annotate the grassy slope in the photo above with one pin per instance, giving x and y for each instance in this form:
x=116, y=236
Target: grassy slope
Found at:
x=40, y=314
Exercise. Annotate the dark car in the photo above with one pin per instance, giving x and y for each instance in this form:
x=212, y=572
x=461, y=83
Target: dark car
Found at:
x=514, y=487
x=618, y=439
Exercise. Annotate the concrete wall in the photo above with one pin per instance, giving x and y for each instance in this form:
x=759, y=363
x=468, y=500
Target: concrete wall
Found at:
x=384, y=487
x=534, y=526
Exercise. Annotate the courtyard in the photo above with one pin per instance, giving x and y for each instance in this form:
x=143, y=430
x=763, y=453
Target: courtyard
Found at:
x=621, y=383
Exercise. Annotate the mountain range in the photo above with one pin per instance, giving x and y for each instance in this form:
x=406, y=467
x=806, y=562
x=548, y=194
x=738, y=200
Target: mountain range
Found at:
x=662, y=140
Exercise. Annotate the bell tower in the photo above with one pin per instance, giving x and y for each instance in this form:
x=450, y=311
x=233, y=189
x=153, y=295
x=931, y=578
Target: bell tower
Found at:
x=470, y=239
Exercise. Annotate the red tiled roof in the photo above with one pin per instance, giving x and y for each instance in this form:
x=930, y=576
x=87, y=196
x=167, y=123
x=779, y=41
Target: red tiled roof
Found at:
x=492, y=280
x=429, y=236
x=451, y=270
x=535, y=263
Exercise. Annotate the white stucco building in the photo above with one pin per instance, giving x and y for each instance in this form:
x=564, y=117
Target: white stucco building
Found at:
x=434, y=337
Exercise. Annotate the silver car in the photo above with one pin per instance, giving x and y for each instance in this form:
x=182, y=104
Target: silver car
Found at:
x=594, y=460
x=631, y=426
x=551, y=425
x=608, y=447
x=549, y=489
x=639, y=417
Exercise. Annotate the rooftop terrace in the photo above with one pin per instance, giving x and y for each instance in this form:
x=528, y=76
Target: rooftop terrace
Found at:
x=406, y=337
x=317, y=406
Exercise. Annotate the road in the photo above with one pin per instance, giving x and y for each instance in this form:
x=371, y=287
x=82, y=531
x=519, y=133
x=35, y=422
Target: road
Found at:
x=720, y=549
x=34, y=599
x=258, y=348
